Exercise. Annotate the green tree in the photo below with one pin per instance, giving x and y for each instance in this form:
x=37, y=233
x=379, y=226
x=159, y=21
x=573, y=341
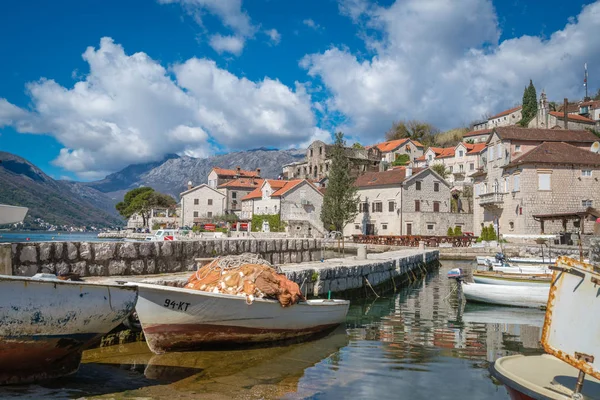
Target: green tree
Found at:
x=340, y=203
x=358, y=146
x=440, y=169
x=492, y=233
x=457, y=231
x=401, y=159
x=416, y=130
x=450, y=232
x=529, y=109
x=141, y=201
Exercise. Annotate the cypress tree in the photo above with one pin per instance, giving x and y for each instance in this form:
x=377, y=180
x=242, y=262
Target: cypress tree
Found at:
x=529, y=109
x=340, y=203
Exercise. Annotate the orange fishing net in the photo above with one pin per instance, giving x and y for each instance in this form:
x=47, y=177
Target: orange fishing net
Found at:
x=252, y=280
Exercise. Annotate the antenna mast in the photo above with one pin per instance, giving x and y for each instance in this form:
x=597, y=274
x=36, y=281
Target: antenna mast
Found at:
x=585, y=76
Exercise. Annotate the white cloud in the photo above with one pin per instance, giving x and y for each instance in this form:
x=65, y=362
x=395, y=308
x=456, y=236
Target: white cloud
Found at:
x=229, y=44
x=442, y=61
x=231, y=14
x=274, y=36
x=311, y=24
x=130, y=109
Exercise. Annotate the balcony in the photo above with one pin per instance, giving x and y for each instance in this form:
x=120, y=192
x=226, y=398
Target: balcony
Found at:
x=491, y=199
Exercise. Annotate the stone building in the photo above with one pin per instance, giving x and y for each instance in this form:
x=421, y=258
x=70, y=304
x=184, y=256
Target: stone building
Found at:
x=590, y=109
x=235, y=190
x=405, y=201
x=477, y=136
x=460, y=161
x=201, y=204
x=552, y=185
x=391, y=149
x=318, y=161
x=546, y=119
x=298, y=203
x=218, y=176
x=505, y=118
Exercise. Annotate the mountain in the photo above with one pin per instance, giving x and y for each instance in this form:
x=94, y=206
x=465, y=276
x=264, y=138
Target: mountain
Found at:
x=172, y=174
x=56, y=202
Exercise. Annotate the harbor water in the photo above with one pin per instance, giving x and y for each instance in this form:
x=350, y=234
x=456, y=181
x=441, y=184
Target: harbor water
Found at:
x=418, y=343
x=46, y=236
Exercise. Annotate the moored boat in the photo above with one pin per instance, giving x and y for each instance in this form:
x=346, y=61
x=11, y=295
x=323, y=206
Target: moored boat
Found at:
x=506, y=279
x=523, y=270
x=11, y=214
x=516, y=296
x=176, y=319
x=46, y=323
x=571, y=370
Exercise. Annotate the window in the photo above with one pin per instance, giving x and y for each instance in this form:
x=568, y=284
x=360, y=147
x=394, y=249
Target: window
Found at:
x=418, y=185
x=516, y=183
x=436, y=186
x=472, y=167
x=365, y=207
x=517, y=148
x=391, y=206
x=195, y=214
x=311, y=152
x=460, y=153
x=326, y=167
x=210, y=202
x=384, y=227
x=417, y=205
x=357, y=227
x=436, y=206
x=196, y=202
x=491, y=151
x=430, y=227
x=451, y=168
x=544, y=181
x=586, y=172
x=499, y=150
x=511, y=225
x=234, y=195
x=429, y=157
x=209, y=214
x=587, y=203
x=321, y=150
x=377, y=206
x=460, y=167
x=275, y=208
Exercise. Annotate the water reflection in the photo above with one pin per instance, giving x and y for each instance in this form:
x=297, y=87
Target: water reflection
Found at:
x=419, y=343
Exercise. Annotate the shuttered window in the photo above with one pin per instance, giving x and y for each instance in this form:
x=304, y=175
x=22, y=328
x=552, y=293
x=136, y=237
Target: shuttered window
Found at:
x=436, y=206
x=417, y=205
x=544, y=181
x=516, y=183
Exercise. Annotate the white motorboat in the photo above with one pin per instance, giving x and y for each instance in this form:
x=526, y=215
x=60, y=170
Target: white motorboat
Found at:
x=516, y=296
x=176, y=319
x=11, y=214
x=45, y=323
x=541, y=270
x=487, y=260
x=507, y=279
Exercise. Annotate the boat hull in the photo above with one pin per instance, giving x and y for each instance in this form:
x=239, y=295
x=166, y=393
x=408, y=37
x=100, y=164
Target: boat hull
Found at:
x=11, y=214
x=511, y=279
x=176, y=319
x=516, y=296
x=46, y=324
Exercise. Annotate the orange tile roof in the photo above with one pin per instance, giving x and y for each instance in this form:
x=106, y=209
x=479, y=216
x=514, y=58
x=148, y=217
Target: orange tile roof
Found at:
x=506, y=112
x=574, y=117
x=557, y=153
x=591, y=103
x=478, y=133
x=255, y=194
x=389, y=177
x=475, y=148
x=446, y=152
x=232, y=172
x=422, y=158
x=289, y=185
x=391, y=145
x=245, y=183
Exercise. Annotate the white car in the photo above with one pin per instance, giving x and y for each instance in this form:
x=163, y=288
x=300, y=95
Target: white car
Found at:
x=163, y=235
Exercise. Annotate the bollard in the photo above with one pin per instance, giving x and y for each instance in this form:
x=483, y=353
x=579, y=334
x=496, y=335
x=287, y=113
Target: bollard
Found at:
x=361, y=252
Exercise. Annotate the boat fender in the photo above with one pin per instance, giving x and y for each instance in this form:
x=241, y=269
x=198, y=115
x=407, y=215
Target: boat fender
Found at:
x=249, y=299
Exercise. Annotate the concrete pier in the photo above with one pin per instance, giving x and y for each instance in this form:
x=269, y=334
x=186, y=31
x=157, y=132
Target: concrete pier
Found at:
x=342, y=276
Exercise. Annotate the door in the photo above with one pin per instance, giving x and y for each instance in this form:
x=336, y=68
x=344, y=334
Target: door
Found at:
x=409, y=229
x=370, y=229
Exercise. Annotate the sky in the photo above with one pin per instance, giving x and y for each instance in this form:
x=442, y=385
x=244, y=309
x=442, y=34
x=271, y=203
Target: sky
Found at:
x=90, y=87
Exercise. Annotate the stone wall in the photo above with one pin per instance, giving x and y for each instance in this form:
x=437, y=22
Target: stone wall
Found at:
x=594, y=251
x=140, y=258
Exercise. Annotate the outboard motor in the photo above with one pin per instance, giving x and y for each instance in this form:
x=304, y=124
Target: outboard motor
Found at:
x=456, y=273
x=500, y=257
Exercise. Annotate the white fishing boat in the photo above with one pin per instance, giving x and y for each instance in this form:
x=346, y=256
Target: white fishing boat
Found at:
x=45, y=323
x=176, y=319
x=516, y=296
x=507, y=279
x=541, y=270
x=571, y=370
x=486, y=260
x=11, y=214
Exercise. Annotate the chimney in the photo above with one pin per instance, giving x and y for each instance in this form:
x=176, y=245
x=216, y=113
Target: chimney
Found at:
x=408, y=171
x=258, y=172
x=239, y=170
x=566, y=113
x=189, y=185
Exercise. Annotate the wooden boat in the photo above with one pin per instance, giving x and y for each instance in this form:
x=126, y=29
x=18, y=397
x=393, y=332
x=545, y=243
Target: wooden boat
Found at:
x=516, y=296
x=46, y=323
x=176, y=319
x=520, y=270
x=570, y=336
x=501, y=278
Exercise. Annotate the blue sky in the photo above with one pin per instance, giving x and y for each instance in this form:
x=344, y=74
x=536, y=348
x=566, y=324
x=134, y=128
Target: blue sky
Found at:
x=199, y=77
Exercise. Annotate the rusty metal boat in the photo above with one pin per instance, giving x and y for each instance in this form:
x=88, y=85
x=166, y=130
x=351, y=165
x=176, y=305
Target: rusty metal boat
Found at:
x=45, y=324
x=177, y=319
x=570, y=336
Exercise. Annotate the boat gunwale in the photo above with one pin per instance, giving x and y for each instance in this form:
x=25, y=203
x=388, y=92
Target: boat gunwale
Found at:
x=509, y=382
x=30, y=279
x=194, y=292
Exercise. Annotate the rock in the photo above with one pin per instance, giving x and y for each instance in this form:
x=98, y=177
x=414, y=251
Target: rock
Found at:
x=146, y=249
x=80, y=268
x=85, y=251
x=97, y=270
x=58, y=251
x=48, y=269
x=167, y=249
x=45, y=250
x=162, y=267
x=71, y=251
x=150, y=266
x=117, y=268
x=175, y=266
x=62, y=268
x=27, y=270
x=253, y=246
x=104, y=251
x=128, y=250
x=137, y=267
x=29, y=254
